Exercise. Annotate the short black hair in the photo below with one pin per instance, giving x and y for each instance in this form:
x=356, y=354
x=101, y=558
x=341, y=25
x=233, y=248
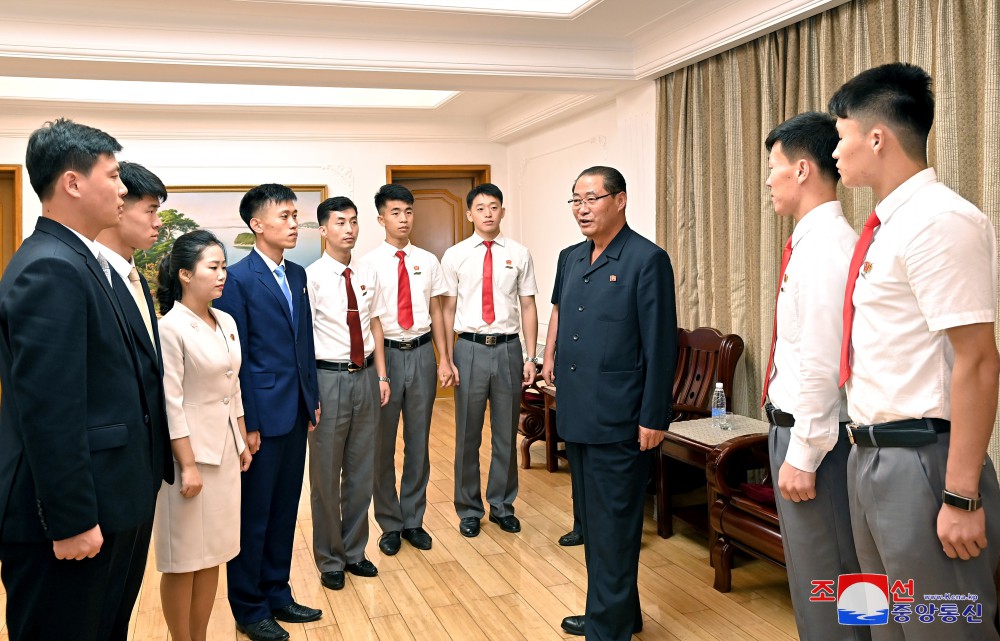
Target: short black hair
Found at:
x=337, y=203
x=141, y=182
x=614, y=182
x=391, y=192
x=262, y=195
x=185, y=252
x=485, y=189
x=898, y=94
x=62, y=145
x=811, y=134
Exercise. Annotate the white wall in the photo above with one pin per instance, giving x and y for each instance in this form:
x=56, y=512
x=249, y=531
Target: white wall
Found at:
x=544, y=165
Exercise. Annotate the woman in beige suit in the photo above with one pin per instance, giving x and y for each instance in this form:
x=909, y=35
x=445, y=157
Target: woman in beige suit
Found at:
x=197, y=524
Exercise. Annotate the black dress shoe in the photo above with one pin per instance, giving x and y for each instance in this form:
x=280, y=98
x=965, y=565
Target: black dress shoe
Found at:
x=332, y=580
x=574, y=625
x=364, y=568
x=389, y=542
x=507, y=523
x=418, y=538
x=297, y=613
x=570, y=539
x=469, y=526
x=263, y=630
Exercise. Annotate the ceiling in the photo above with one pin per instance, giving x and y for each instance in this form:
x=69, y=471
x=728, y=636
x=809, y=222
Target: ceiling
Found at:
x=512, y=72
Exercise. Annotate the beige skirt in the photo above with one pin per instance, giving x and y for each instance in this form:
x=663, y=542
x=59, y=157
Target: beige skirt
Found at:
x=204, y=531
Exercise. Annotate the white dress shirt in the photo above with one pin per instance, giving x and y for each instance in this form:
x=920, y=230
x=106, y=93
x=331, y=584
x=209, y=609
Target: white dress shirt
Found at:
x=118, y=264
x=92, y=245
x=513, y=276
x=271, y=265
x=810, y=328
x=932, y=266
x=426, y=280
x=328, y=298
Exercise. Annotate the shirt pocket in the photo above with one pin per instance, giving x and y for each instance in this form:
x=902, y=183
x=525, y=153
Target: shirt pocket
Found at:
x=505, y=279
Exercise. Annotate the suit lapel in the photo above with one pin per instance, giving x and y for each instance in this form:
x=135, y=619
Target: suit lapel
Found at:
x=265, y=276
x=132, y=315
x=612, y=252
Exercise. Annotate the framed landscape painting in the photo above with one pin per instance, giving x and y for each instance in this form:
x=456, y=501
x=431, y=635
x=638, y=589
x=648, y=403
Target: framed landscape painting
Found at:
x=217, y=209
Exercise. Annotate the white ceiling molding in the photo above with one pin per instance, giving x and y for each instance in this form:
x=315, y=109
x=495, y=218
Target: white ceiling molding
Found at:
x=528, y=115
x=560, y=9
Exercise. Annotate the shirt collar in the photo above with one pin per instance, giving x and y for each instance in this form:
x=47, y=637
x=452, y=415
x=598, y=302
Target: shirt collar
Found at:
x=271, y=265
x=815, y=217
x=89, y=244
x=392, y=249
x=903, y=193
x=115, y=260
x=337, y=266
x=499, y=240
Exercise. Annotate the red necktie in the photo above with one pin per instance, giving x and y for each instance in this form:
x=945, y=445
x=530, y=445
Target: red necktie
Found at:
x=488, y=314
x=860, y=250
x=354, y=323
x=786, y=254
x=403, y=301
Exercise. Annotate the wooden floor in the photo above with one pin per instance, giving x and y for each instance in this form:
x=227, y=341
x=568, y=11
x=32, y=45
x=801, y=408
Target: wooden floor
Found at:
x=500, y=586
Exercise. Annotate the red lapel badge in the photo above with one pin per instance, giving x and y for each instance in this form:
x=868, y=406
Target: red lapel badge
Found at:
x=613, y=278
x=865, y=268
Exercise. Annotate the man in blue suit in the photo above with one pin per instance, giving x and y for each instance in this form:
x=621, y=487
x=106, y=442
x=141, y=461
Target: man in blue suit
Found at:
x=616, y=350
x=266, y=295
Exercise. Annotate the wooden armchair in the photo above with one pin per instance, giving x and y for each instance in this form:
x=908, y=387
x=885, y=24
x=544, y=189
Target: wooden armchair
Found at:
x=739, y=520
x=531, y=423
x=704, y=356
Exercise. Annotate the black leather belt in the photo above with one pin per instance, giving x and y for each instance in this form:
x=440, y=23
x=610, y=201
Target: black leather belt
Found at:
x=488, y=339
x=337, y=366
x=779, y=418
x=413, y=343
x=911, y=432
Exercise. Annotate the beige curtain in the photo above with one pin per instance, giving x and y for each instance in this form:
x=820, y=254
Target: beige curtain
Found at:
x=713, y=213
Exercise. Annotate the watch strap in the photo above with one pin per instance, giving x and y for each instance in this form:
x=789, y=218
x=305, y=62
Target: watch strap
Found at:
x=961, y=502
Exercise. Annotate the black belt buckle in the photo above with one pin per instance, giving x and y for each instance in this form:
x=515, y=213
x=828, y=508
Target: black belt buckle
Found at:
x=351, y=368
x=491, y=339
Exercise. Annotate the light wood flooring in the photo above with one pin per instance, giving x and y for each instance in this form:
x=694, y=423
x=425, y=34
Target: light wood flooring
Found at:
x=500, y=586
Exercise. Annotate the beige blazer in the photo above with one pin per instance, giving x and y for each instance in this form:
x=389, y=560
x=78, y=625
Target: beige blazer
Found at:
x=201, y=381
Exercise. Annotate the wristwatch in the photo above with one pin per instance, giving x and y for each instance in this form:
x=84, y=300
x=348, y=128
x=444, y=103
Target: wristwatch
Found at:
x=383, y=379
x=961, y=502
x=534, y=359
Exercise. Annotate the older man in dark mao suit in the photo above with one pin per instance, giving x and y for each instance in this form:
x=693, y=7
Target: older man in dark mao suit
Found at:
x=615, y=359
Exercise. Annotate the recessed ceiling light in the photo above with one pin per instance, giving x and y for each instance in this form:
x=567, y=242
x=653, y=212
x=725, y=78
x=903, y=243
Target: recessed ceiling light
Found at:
x=198, y=94
x=546, y=8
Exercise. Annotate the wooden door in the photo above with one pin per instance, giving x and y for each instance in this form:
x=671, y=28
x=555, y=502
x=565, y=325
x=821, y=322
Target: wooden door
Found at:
x=439, y=219
x=10, y=212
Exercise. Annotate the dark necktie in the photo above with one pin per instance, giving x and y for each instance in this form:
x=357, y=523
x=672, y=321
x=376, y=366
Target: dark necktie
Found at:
x=354, y=322
x=860, y=250
x=488, y=314
x=403, y=300
x=786, y=255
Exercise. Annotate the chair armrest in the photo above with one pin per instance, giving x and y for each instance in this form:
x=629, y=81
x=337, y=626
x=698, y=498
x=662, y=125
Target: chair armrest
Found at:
x=728, y=463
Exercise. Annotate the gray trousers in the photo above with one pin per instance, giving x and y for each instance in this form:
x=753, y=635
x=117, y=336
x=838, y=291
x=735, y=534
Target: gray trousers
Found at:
x=895, y=499
x=341, y=466
x=490, y=373
x=413, y=385
x=817, y=538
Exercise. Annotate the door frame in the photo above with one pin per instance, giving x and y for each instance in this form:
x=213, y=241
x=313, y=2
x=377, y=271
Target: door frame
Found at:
x=479, y=173
x=17, y=172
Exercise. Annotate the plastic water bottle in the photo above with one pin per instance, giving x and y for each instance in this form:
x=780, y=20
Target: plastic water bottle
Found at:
x=719, y=417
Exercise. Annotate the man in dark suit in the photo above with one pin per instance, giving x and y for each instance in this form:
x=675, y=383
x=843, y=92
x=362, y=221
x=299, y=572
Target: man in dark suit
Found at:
x=138, y=228
x=77, y=444
x=615, y=358
x=266, y=295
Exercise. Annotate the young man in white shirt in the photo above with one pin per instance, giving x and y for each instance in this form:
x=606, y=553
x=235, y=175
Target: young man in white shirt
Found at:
x=920, y=362
x=346, y=303
x=412, y=285
x=808, y=411
x=489, y=277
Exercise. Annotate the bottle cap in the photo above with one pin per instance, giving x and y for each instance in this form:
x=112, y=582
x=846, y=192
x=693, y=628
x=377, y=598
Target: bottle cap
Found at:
x=718, y=386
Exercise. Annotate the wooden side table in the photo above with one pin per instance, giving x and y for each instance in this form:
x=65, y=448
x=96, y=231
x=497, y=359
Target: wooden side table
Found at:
x=690, y=442
x=551, y=436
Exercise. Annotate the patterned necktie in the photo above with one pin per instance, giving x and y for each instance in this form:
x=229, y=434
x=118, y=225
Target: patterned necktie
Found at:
x=103, y=262
x=786, y=255
x=403, y=299
x=279, y=271
x=860, y=250
x=140, y=300
x=488, y=313
x=354, y=322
